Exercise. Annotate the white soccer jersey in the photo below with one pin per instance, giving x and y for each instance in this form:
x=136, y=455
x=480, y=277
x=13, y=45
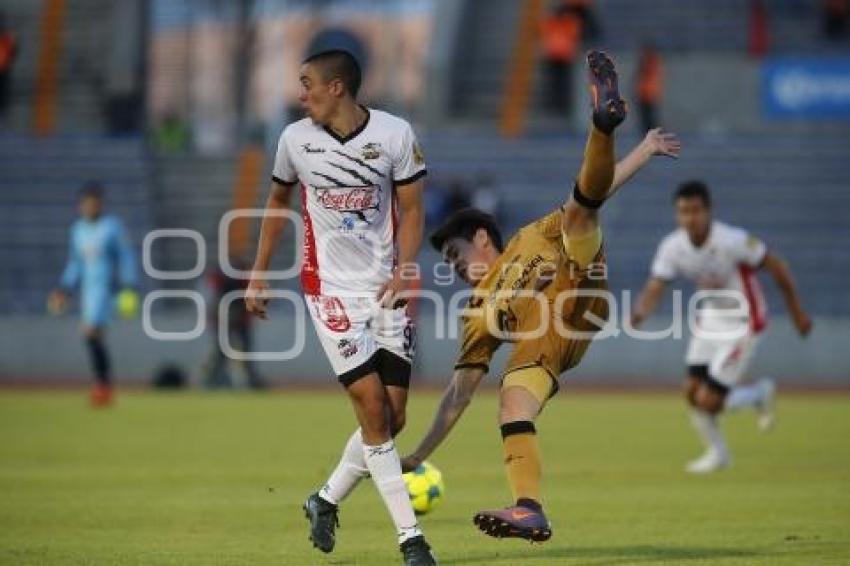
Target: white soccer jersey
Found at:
x=726, y=261
x=348, y=199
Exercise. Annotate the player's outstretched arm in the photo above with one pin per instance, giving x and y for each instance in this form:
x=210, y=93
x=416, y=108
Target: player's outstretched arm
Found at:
x=648, y=300
x=656, y=142
x=411, y=226
x=455, y=400
x=781, y=273
x=270, y=230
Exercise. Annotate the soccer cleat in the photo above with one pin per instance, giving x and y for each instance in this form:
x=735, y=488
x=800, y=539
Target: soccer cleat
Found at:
x=416, y=552
x=765, y=408
x=514, y=522
x=101, y=395
x=323, y=522
x=609, y=110
x=711, y=461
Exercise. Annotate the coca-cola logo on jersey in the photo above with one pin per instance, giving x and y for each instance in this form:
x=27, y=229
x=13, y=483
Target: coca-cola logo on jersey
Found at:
x=357, y=200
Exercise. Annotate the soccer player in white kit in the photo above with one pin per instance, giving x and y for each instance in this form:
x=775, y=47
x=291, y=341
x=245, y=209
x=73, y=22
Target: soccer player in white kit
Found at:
x=722, y=261
x=360, y=173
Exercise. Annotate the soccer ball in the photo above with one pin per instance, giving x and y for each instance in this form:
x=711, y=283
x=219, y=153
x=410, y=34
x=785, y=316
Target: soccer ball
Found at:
x=425, y=487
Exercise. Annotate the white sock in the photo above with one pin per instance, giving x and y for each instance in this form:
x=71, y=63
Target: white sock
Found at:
x=348, y=473
x=709, y=431
x=385, y=467
x=745, y=396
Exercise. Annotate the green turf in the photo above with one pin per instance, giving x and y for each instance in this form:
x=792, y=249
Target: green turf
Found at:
x=192, y=479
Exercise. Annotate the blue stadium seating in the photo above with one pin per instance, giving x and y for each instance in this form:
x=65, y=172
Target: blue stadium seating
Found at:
x=39, y=183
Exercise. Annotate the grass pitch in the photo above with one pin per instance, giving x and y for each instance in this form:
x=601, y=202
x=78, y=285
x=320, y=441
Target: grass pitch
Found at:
x=194, y=479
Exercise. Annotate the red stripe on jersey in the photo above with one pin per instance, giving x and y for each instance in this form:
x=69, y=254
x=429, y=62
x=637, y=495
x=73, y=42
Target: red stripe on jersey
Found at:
x=311, y=284
x=755, y=298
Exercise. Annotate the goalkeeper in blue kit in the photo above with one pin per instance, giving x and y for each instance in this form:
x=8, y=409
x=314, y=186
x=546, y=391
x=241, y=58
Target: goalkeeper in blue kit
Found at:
x=100, y=261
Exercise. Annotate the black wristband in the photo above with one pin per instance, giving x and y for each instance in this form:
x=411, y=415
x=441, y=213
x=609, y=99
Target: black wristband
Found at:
x=590, y=203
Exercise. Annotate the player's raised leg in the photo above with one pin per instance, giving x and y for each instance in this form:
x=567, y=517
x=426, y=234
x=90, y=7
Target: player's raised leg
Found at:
x=581, y=227
x=758, y=395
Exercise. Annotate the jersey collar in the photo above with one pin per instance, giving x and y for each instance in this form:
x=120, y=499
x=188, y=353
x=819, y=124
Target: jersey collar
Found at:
x=354, y=133
x=708, y=238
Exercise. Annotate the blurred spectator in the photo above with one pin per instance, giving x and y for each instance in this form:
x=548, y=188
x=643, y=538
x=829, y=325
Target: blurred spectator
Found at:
x=650, y=85
x=239, y=330
x=759, y=36
x=172, y=136
x=123, y=112
x=562, y=32
x=485, y=197
x=434, y=200
x=8, y=51
x=836, y=15
x=458, y=196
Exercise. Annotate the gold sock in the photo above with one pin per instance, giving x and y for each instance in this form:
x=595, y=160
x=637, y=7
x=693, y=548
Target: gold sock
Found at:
x=522, y=464
x=597, y=169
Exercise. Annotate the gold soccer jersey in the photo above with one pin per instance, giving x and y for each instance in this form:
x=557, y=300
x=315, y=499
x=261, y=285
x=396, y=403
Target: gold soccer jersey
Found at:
x=537, y=297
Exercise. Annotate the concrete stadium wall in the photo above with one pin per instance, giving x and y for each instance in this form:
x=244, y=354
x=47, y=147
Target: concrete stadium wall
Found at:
x=34, y=349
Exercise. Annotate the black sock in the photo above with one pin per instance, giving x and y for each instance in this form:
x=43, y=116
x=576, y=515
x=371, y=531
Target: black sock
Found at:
x=99, y=360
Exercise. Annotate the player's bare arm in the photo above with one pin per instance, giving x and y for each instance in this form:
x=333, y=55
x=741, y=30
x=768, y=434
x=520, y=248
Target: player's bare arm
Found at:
x=256, y=295
x=411, y=225
x=656, y=142
x=781, y=273
x=456, y=399
x=648, y=300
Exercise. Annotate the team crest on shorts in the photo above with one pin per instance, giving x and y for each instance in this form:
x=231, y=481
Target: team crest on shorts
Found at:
x=347, y=348
x=333, y=315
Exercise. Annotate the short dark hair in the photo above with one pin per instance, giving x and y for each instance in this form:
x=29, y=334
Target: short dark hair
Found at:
x=464, y=223
x=92, y=189
x=339, y=64
x=693, y=189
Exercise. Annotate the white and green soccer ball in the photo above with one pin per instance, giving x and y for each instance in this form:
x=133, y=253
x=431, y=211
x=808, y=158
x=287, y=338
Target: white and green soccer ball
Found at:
x=425, y=487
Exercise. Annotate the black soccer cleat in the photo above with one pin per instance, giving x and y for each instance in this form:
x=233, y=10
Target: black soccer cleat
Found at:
x=416, y=552
x=323, y=522
x=609, y=110
x=514, y=522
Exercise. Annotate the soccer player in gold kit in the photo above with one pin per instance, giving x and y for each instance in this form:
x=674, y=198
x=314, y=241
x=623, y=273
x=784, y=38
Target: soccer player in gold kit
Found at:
x=544, y=292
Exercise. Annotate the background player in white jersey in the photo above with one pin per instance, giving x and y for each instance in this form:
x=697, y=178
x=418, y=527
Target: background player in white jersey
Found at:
x=723, y=260
x=360, y=173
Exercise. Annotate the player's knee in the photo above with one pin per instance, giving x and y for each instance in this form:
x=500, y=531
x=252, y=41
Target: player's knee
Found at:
x=579, y=217
x=518, y=404
x=709, y=400
x=371, y=404
x=374, y=410
x=690, y=392
x=509, y=414
x=397, y=423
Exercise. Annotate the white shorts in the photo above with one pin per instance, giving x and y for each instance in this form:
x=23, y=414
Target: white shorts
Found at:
x=360, y=337
x=726, y=351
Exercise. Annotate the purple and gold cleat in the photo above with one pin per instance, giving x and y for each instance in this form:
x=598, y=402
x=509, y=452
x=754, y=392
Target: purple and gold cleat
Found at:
x=609, y=110
x=515, y=522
